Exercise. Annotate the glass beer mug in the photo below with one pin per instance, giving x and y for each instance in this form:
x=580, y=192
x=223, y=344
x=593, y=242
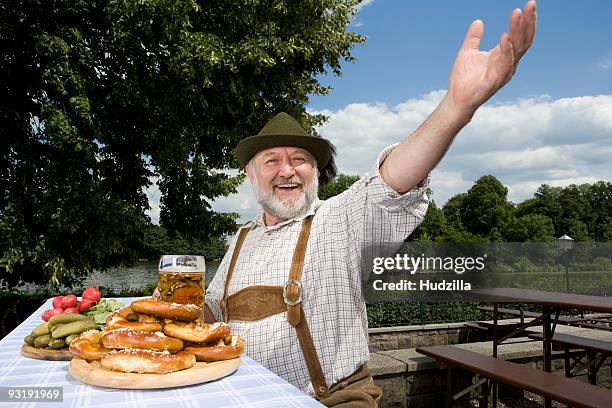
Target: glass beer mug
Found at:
x=181, y=279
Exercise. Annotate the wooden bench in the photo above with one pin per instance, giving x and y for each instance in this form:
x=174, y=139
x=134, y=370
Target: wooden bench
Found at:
x=597, y=326
x=548, y=385
x=503, y=328
x=591, y=346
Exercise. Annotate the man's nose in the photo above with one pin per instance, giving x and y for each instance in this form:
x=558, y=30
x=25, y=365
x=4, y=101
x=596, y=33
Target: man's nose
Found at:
x=286, y=169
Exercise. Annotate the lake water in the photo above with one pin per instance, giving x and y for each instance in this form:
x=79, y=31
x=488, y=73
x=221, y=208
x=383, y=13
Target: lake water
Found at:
x=136, y=277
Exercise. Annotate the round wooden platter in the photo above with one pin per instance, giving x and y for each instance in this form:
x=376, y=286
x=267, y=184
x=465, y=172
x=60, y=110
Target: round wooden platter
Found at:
x=91, y=372
x=46, y=353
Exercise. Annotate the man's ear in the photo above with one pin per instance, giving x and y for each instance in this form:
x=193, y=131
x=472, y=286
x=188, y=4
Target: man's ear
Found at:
x=249, y=173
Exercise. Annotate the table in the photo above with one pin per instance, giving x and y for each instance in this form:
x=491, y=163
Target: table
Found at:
x=551, y=302
x=251, y=386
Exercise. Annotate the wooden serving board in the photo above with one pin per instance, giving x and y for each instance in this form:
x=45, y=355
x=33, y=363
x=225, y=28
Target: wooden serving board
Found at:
x=46, y=353
x=91, y=372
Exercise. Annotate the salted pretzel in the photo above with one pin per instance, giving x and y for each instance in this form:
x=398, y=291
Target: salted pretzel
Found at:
x=147, y=361
x=132, y=339
x=167, y=310
x=197, y=332
x=88, y=345
x=125, y=318
x=218, y=352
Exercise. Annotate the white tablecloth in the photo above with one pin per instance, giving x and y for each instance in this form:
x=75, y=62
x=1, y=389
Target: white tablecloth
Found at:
x=252, y=385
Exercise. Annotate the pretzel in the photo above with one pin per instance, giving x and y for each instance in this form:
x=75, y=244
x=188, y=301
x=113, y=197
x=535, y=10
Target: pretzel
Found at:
x=168, y=310
x=125, y=318
x=147, y=361
x=126, y=338
x=197, y=332
x=218, y=352
x=87, y=346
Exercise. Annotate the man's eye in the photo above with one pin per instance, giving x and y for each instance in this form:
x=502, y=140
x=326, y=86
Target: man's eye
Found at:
x=299, y=159
x=271, y=161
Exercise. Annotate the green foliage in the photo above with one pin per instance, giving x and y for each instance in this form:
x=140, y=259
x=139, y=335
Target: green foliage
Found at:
x=382, y=314
x=453, y=211
x=485, y=209
x=483, y=214
x=102, y=97
x=531, y=227
x=157, y=242
x=434, y=227
x=584, y=211
x=336, y=186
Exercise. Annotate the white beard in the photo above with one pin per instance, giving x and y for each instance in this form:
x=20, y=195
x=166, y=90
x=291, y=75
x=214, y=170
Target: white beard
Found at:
x=284, y=211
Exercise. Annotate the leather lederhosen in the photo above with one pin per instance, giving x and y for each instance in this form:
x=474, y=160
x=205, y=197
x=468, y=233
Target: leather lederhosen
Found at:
x=259, y=301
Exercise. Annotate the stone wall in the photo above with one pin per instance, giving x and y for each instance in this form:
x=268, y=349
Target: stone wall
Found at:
x=406, y=337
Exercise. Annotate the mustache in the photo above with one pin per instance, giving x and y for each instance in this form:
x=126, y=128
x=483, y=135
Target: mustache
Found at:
x=294, y=179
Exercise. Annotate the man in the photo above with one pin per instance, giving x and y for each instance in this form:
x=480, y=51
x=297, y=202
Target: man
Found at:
x=290, y=282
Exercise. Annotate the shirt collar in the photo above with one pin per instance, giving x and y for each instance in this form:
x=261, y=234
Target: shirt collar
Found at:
x=259, y=220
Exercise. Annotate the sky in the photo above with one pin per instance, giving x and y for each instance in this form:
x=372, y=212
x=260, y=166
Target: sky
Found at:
x=552, y=124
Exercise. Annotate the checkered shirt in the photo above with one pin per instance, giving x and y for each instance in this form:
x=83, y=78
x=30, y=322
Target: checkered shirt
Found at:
x=368, y=212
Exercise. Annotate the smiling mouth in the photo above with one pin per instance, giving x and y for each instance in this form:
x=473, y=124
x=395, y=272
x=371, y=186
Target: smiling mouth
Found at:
x=287, y=186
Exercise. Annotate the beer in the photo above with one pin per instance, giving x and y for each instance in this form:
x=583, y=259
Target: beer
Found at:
x=181, y=279
x=186, y=287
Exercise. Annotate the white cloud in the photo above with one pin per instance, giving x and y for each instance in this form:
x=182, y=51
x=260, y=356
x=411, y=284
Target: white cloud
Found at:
x=524, y=143
x=363, y=4
x=153, y=194
x=243, y=203
x=605, y=64
x=354, y=20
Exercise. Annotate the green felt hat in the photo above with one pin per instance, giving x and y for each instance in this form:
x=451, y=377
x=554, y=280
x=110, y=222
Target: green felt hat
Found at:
x=284, y=130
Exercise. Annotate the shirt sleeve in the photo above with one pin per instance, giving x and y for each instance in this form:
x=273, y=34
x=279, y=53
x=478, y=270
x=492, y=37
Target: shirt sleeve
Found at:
x=378, y=213
x=380, y=194
x=378, y=217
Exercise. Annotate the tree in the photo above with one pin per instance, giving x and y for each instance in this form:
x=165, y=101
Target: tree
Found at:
x=102, y=97
x=336, y=186
x=546, y=202
x=453, y=211
x=531, y=228
x=485, y=209
x=157, y=242
x=434, y=227
x=599, y=196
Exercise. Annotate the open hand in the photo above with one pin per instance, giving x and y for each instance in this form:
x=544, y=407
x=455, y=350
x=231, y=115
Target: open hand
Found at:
x=477, y=75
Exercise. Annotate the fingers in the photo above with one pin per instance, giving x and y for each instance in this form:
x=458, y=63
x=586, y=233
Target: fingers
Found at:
x=517, y=33
x=522, y=28
x=502, y=66
x=474, y=35
x=506, y=57
x=529, y=22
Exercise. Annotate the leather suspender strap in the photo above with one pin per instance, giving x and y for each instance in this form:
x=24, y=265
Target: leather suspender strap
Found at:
x=295, y=312
x=230, y=270
x=293, y=287
x=243, y=304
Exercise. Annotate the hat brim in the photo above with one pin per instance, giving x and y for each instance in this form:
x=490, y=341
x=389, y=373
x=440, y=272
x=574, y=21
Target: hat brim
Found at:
x=320, y=148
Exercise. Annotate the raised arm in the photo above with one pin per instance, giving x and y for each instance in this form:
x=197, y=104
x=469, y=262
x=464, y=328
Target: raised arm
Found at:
x=475, y=77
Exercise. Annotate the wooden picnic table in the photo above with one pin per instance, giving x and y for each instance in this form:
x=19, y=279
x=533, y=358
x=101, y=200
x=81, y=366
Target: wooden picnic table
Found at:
x=548, y=299
x=552, y=304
